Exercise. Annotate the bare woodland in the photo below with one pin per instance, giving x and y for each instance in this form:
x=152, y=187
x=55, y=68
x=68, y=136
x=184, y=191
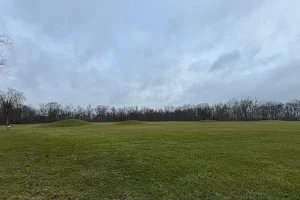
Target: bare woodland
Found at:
x=249, y=109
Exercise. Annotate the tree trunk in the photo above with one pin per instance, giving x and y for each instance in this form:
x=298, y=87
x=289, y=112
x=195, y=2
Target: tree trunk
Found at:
x=7, y=120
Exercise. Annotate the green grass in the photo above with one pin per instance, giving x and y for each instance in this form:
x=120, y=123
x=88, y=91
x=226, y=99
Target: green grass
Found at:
x=208, y=120
x=65, y=123
x=131, y=122
x=170, y=160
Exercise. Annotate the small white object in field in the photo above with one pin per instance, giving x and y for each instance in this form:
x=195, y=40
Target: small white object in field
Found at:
x=8, y=127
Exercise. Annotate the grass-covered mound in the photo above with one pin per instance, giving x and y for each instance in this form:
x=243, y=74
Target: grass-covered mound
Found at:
x=208, y=120
x=66, y=123
x=271, y=121
x=131, y=122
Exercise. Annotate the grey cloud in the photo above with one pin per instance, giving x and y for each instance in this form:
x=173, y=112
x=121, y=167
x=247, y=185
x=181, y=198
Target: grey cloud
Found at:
x=198, y=66
x=226, y=61
x=269, y=59
x=150, y=53
x=280, y=83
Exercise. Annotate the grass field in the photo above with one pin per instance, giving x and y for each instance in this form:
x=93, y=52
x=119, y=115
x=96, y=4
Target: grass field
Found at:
x=166, y=160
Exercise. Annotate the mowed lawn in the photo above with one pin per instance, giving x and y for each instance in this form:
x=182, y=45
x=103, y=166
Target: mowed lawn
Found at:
x=163, y=160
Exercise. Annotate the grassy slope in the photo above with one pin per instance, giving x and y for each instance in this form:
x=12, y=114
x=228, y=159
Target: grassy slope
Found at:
x=65, y=123
x=188, y=160
x=131, y=122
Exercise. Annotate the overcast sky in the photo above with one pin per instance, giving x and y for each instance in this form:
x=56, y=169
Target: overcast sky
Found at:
x=152, y=53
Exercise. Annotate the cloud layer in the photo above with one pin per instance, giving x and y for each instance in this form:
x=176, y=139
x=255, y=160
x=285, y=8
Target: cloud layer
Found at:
x=152, y=53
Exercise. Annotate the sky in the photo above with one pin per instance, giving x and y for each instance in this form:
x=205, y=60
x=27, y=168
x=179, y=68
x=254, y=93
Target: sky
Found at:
x=152, y=53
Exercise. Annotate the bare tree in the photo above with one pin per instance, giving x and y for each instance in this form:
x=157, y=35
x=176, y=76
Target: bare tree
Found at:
x=89, y=112
x=10, y=100
x=68, y=111
x=54, y=111
x=101, y=112
x=4, y=41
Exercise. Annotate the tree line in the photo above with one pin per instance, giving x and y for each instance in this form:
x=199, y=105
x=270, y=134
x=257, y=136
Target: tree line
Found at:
x=12, y=110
